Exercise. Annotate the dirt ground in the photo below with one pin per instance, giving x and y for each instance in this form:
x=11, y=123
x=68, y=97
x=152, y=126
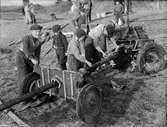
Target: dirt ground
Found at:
x=142, y=104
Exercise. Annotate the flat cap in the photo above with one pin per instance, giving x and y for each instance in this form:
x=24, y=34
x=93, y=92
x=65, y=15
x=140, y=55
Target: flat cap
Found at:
x=35, y=27
x=80, y=32
x=56, y=28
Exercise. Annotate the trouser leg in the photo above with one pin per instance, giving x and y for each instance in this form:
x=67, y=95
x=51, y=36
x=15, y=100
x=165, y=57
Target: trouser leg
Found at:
x=29, y=17
x=121, y=18
x=33, y=18
x=61, y=59
x=26, y=18
x=24, y=66
x=116, y=17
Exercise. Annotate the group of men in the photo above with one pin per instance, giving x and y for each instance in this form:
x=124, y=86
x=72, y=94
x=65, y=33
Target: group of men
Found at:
x=28, y=12
x=81, y=12
x=82, y=51
x=82, y=9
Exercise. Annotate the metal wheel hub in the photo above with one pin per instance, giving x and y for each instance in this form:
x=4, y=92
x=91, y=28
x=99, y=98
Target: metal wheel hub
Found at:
x=151, y=60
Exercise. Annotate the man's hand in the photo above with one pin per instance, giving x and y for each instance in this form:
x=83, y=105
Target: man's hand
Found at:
x=89, y=63
x=116, y=48
x=104, y=55
x=34, y=61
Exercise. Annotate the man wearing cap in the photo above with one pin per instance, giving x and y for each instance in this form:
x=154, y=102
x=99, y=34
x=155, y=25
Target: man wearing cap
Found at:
x=76, y=52
x=100, y=33
x=60, y=44
x=28, y=54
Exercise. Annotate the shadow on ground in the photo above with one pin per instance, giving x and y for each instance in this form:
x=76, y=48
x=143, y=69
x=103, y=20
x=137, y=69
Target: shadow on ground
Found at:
x=116, y=103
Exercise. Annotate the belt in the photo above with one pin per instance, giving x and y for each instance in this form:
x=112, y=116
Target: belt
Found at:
x=56, y=47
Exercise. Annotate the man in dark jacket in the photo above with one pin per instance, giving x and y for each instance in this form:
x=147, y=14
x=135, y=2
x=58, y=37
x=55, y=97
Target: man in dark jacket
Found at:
x=28, y=54
x=60, y=44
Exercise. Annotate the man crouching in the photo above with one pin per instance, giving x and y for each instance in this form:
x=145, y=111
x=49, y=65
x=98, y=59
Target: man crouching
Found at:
x=76, y=54
x=28, y=54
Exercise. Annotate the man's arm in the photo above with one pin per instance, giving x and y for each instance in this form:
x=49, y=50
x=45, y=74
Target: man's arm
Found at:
x=98, y=48
x=65, y=42
x=80, y=57
x=113, y=40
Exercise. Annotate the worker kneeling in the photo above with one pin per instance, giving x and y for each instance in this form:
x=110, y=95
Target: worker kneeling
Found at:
x=81, y=51
x=28, y=54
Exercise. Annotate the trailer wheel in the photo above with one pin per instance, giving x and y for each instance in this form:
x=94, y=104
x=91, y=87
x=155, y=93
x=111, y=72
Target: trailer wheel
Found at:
x=151, y=58
x=89, y=104
x=30, y=83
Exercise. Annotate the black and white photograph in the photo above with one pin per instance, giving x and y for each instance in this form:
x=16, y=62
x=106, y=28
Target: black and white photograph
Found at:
x=83, y=63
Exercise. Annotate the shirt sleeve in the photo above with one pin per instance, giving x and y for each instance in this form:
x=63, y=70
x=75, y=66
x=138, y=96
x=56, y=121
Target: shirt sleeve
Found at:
x=76, y=53
x=96, y=41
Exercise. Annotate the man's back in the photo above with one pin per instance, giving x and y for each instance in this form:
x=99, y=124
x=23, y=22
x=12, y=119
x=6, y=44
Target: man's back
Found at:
x=97, y=31
x=91, y=53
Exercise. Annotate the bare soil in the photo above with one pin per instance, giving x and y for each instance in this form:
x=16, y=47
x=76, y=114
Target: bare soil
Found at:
x=141, y=104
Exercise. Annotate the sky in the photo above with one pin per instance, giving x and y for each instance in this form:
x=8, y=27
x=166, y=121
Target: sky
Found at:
x=19, y=2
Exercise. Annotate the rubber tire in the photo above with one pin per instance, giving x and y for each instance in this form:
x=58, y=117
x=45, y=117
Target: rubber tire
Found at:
x=81, y=107
x=27, y=82
x=142, y=52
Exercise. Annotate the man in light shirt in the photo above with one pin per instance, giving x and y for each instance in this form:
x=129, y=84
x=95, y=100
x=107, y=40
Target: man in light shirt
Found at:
x=76, y=52
x=100, y=33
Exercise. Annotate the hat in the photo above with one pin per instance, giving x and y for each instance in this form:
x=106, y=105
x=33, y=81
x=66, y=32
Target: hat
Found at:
x=80, y=32
x=35, y=27
x=56, y=28
x=110, y=29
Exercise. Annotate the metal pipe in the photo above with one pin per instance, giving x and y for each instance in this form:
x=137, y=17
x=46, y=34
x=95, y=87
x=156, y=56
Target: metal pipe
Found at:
x=19, y=99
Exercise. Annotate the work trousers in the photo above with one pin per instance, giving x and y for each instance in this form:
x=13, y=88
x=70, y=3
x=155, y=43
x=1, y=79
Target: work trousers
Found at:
x=117, y=17
x=61, y=58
